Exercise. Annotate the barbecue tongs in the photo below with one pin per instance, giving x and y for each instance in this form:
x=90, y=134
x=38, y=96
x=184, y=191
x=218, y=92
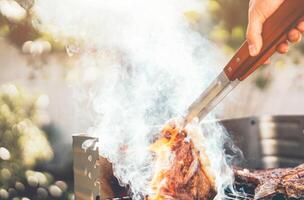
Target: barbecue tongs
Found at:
x=241, y=65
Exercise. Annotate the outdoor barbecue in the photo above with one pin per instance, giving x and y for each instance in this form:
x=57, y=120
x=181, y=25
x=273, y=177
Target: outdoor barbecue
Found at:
x=275, y=176
x=183, y=169
x=151, y=100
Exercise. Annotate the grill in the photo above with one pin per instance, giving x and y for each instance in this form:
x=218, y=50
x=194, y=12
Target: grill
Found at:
x=267, y=142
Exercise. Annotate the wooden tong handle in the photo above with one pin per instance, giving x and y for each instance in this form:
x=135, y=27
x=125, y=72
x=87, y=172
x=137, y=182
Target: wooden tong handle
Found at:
x=275, y=30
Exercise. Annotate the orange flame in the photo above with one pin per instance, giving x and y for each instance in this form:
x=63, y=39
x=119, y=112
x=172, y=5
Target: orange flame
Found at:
x=181, y=170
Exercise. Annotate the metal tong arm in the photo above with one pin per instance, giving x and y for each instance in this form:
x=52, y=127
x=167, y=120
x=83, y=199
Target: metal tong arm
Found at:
x=275, y=30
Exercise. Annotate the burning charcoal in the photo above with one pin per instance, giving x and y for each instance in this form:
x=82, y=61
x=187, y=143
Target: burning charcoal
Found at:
x=270, y=182
x=181, y=173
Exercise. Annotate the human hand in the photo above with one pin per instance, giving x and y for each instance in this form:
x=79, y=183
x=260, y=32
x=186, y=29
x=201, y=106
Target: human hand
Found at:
x=259, y=12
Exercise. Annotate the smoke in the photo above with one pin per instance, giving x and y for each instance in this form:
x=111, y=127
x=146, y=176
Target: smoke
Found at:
x=141, y=64
x=216, y=142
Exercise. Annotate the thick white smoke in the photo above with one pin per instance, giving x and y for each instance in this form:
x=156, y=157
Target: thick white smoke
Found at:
x=142, y=65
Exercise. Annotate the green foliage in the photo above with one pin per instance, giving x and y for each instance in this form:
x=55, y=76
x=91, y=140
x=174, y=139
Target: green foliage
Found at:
x=262, y=82
x=22, y=142
x=18, y=31
x=230, y=20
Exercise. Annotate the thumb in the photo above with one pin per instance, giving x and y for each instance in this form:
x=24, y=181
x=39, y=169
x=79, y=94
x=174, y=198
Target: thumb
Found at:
x=254, y=33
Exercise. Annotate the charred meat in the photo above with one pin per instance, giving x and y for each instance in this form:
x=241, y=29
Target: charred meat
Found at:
x=184, y=178
x=267, y=183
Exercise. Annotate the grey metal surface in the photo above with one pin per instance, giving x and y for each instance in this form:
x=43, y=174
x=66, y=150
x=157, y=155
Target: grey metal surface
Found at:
x=86, y=168
x=269, y=141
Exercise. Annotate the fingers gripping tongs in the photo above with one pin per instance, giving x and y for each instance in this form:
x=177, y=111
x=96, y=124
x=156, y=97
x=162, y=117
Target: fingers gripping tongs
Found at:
x=241, y=65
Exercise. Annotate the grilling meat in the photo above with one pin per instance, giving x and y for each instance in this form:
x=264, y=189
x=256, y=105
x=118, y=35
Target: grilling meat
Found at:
x=186, y=177
x=267, y=183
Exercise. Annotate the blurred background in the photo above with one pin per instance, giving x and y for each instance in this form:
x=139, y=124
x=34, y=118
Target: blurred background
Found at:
x=37, y=111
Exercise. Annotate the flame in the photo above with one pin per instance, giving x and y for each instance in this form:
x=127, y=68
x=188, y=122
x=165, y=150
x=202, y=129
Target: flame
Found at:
x=181, y=170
